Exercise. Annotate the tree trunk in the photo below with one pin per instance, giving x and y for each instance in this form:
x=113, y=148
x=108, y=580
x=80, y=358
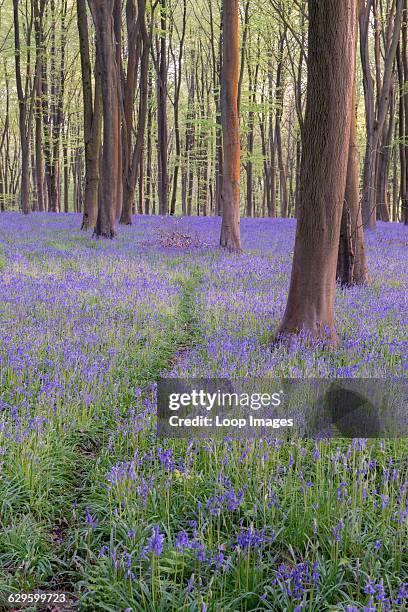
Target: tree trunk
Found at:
x=117, y=28
x=272, y=148
x=25, y=114
x=331, y=61
x=279, y=111
x=376, y=110
x=135, y=158
x=253, y=85
x=149, y=152
x=162, y=127
x=102, y=13
x=39, y=153
x=230, y=230
x=92, y=121
x=351, y=263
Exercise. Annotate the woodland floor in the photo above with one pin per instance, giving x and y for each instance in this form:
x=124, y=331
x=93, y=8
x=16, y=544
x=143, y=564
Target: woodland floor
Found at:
x=91, y=503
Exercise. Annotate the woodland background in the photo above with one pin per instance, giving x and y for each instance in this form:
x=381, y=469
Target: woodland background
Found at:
x=168, y=57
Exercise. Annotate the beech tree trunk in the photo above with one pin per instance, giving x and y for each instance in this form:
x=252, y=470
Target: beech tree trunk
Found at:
x=39, y=153
x=278, y=119
x=376, y=110
x=25, y=115
x=402, y=64
x=230, y=229
x=92, y=121
x=102, y=13
x=135, y=163
x=352, y=263
x=177, y=88
x=162, y=127
x=331, y=61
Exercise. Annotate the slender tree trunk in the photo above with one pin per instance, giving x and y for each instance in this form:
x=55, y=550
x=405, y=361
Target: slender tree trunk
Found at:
x=331, y=61
x=383, y=204
x=216, y=65
x=162, y=126
x=149, y=152
x=24, y=116
x=272, y=148
x=230, y=230
x=177, y=85
x=135, y=160
x=66, y=173
x=351, y=263
x=403, y=113
x=117, y=28
x=376, y=110
x=278, y=119
x=39, y=153
x=253, y=84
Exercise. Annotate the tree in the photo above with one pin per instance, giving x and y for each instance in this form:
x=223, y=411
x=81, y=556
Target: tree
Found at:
x=352, y=264
x=376, y=109
x=25, y=94
x=326, y=138
x=39, y=8
x=162, y=125
x=230, y=229
x=102, y=13
x=92, y=121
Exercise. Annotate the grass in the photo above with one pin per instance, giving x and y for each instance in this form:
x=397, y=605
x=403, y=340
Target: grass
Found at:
x=91, y=502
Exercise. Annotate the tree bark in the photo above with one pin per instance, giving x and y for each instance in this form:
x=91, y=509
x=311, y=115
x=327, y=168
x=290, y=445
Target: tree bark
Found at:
x=278, y=119
x=331, y=61
x=102, y=13
x=230, y=229
x=25, y=114
x=92, y=121
x=177, y=88
x=351, y=264
x=376, y=110
x=162, y=127
x=39, y=153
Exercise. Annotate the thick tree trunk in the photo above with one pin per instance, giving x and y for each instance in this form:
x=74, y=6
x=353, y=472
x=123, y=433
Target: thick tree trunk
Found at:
x=331, y=61
x=134, y=50
x=230, y=230
x=102, y=13
x=92, y=121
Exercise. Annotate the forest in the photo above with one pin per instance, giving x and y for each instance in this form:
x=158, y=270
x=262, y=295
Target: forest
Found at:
x=201, y=190
x=160, y=74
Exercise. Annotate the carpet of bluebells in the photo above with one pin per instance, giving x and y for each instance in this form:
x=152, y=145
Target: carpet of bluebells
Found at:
x=93, y=504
